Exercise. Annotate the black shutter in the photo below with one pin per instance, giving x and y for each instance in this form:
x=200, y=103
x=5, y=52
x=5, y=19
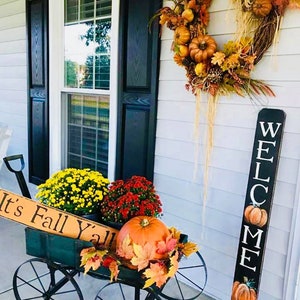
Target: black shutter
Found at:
x=137, y=89
x=38, y=137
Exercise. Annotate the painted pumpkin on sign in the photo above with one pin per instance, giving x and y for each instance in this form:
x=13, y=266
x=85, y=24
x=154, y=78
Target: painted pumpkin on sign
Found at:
x=255, y=215
x=241, y=291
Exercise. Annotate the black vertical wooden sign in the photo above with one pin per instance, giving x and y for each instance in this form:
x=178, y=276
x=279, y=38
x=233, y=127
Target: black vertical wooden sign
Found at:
x=258, y=203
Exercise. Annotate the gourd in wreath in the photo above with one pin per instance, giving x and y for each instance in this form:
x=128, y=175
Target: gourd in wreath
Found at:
x=188, y=15
x=182, y=35
x=202, y=47
x=242, y=291
x=255, y=215
x=141, y=230
x=261, y=8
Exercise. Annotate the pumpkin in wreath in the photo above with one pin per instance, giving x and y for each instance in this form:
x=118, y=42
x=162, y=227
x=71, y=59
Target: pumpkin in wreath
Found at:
x=261, y=8
x=202, y=48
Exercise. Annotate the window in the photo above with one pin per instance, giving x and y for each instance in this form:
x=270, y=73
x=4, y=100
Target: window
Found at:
x=88, y=118
x=87, y=43
x=87, y=69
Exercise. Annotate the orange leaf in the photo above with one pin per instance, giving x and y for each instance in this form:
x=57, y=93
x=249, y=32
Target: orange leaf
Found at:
x=166, y=246
x=143, y=254
x=126, y=249
x=156, y=274
x=114, y=270
x=93, y=263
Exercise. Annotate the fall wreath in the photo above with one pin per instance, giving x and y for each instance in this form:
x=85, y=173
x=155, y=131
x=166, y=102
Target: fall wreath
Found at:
x=221, y=72
x=224, y=71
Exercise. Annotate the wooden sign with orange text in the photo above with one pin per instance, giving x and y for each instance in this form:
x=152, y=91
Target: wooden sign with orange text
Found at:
x=39, y=216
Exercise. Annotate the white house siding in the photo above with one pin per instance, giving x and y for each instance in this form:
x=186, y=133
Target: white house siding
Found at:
x=13, y=83
x=181, y=191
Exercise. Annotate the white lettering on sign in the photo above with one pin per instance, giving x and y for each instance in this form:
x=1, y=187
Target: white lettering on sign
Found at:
x=244, y=258
x=260, y=150
x=258, y=234
x=269, y=129
x=259, y=193
x=257, y=175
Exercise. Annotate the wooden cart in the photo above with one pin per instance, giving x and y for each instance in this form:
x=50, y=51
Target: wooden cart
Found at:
x=51, y=274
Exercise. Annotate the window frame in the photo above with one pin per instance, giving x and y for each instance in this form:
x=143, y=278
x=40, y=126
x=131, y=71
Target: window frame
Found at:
x=58, y=93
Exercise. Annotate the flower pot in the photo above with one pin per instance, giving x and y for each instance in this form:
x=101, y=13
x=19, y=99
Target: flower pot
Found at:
x=93, y=217
x=112, y=224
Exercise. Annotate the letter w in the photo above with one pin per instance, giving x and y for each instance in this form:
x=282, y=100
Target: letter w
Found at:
x=269, y=128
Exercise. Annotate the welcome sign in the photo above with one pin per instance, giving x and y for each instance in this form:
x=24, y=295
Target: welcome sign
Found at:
x=39, y=216
x=258, y=203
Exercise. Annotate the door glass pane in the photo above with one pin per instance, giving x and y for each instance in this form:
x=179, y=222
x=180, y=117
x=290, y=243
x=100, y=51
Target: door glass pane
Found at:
x=88, y=126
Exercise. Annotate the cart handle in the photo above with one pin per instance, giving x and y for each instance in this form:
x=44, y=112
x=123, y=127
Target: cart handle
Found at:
x=18, y=173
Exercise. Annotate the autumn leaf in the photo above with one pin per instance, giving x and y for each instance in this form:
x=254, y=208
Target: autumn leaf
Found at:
x=107, y=261
x=143, y=254
x=173, y=265
x=126, y=249
x=88, y=253
x=218, y=58
x=114, y=270
x=157, y=274
x=92, y=263
x=189, y=248
x=294, y=4
x=166, y=246
x=175, y=233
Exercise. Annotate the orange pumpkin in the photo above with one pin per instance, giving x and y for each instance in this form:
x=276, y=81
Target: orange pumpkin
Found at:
x=182, y=35
x=182, y=50
x=261, y=8
x=241, y=291
x=142, y=230
x=202, y=47
x=188, y=15
x=255, y=215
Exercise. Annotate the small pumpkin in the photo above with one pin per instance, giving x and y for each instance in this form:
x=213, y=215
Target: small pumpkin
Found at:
x=182, y=35
x=261, y=8
x=182, y=50
x=255, y=215
x=188, y=15
x=202, y=47
x=142, y=230
x=243, y=291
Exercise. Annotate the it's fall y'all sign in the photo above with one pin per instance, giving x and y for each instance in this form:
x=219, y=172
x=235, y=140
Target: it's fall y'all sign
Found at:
x=39, y=216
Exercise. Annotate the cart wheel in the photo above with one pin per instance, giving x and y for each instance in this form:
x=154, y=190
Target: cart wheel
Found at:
x=39, y=278
x=123, y=291
x=189, y=281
